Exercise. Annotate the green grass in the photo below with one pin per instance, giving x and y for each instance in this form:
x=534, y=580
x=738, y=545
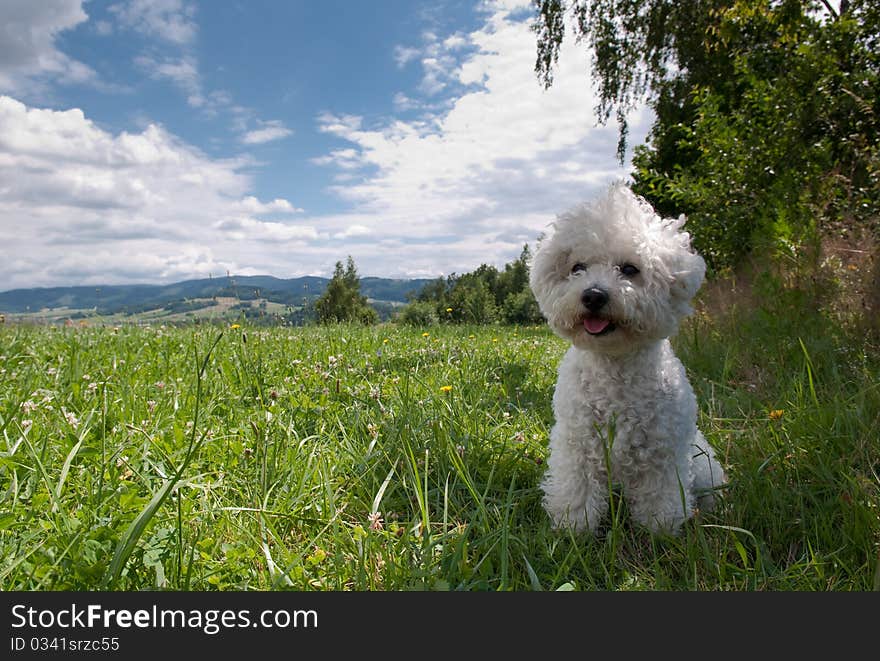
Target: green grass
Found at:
x=136, y=458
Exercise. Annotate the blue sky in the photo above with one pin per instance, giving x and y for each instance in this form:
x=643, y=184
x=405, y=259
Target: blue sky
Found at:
x=159, y=140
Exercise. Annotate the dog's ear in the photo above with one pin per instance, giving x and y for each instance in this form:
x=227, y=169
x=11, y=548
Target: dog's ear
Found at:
x=562, y=263
x=549, y=267
x=689, y=268
x=686, y=283
x=688, y=276
x=551, y=261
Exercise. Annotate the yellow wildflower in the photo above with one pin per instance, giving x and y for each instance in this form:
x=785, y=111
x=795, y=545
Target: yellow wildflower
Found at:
x=234, y=326
x=775, y=414
x=445, y=388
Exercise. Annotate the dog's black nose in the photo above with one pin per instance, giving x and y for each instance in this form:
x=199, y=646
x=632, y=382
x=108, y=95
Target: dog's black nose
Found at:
x=594, y=298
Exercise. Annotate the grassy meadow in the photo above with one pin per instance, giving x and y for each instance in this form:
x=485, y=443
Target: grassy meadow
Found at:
x=396, y=458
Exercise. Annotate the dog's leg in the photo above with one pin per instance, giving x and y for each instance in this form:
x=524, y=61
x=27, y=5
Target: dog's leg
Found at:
x=708, y=473
x=661, y=499
x=575, y=486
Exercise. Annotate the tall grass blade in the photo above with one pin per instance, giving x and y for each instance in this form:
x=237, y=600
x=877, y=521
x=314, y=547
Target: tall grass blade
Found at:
x=65, y=469
x=133, y=534
x=130, y=539
x=809, y=366
x=378, y=499
x=534, y=581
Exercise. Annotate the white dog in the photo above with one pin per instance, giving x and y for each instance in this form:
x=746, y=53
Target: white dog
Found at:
x=615, y=279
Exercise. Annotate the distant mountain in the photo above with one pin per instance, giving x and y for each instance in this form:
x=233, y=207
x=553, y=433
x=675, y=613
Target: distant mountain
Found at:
x=131, y=299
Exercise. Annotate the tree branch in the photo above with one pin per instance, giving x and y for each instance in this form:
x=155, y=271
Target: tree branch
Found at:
x=830, y=9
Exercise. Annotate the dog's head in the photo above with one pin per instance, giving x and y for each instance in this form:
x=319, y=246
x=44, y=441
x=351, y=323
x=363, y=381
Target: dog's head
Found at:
x=614, y=274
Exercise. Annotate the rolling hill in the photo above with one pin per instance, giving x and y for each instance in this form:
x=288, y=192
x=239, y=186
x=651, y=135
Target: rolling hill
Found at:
x=188, y=295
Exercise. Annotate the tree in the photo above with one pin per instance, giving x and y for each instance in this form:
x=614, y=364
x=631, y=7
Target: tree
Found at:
x=342, y=300
x=515, y=298
x=767, y=125
x=472, y=301
x=522, y=308
x=639, y=48
x=485, y=295
x=515, y=277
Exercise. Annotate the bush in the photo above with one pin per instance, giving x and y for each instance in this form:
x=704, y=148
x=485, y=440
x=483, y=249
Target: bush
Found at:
x=522, y=308
x=418, y=313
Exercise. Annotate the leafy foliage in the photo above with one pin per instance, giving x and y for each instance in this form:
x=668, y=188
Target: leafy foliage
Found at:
x=342, y=300
x=767, y=127
x=418, y=313
x=483, y=296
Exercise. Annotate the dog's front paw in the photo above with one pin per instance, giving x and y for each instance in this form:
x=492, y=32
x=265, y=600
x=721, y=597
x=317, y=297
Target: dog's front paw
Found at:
x=665, y=524
x=667, y=520
x=567, y=517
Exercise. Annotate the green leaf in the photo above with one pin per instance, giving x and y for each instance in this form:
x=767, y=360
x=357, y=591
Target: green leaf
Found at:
x=133, y=534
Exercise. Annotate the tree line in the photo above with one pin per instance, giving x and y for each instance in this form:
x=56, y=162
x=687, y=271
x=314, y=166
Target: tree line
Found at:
x=484, y=296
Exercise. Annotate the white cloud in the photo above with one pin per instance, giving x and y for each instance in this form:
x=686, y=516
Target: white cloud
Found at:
x=250, y=229
x=252, y=205
x=508, y=129
x=438, y=60
x=88, y=205
x=172, y=23
x=182, y=72
x=472, y=173
x=404, y=55
x=474, y=183
x=28, y=54
x=402, y=102
x=268, y=131
x=341, y=125
x=344, y=159
x=455, y=42
x=436, y=74
x=104, y=28
x=353, y=231
x=168, y=20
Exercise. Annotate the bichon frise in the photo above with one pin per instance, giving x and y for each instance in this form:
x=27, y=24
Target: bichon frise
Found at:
x=615, y=279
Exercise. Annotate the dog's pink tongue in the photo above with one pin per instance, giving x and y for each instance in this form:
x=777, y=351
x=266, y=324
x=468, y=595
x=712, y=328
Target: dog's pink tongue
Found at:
x=595, y=324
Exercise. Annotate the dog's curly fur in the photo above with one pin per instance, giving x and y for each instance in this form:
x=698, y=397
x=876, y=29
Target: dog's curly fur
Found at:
x=615, y=279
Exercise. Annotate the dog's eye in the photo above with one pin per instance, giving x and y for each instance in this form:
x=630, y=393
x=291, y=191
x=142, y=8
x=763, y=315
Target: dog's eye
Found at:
x=578, y=268
x=629, y=270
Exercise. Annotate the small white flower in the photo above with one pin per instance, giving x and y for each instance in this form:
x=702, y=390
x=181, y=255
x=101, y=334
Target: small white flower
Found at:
x=375, y=519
